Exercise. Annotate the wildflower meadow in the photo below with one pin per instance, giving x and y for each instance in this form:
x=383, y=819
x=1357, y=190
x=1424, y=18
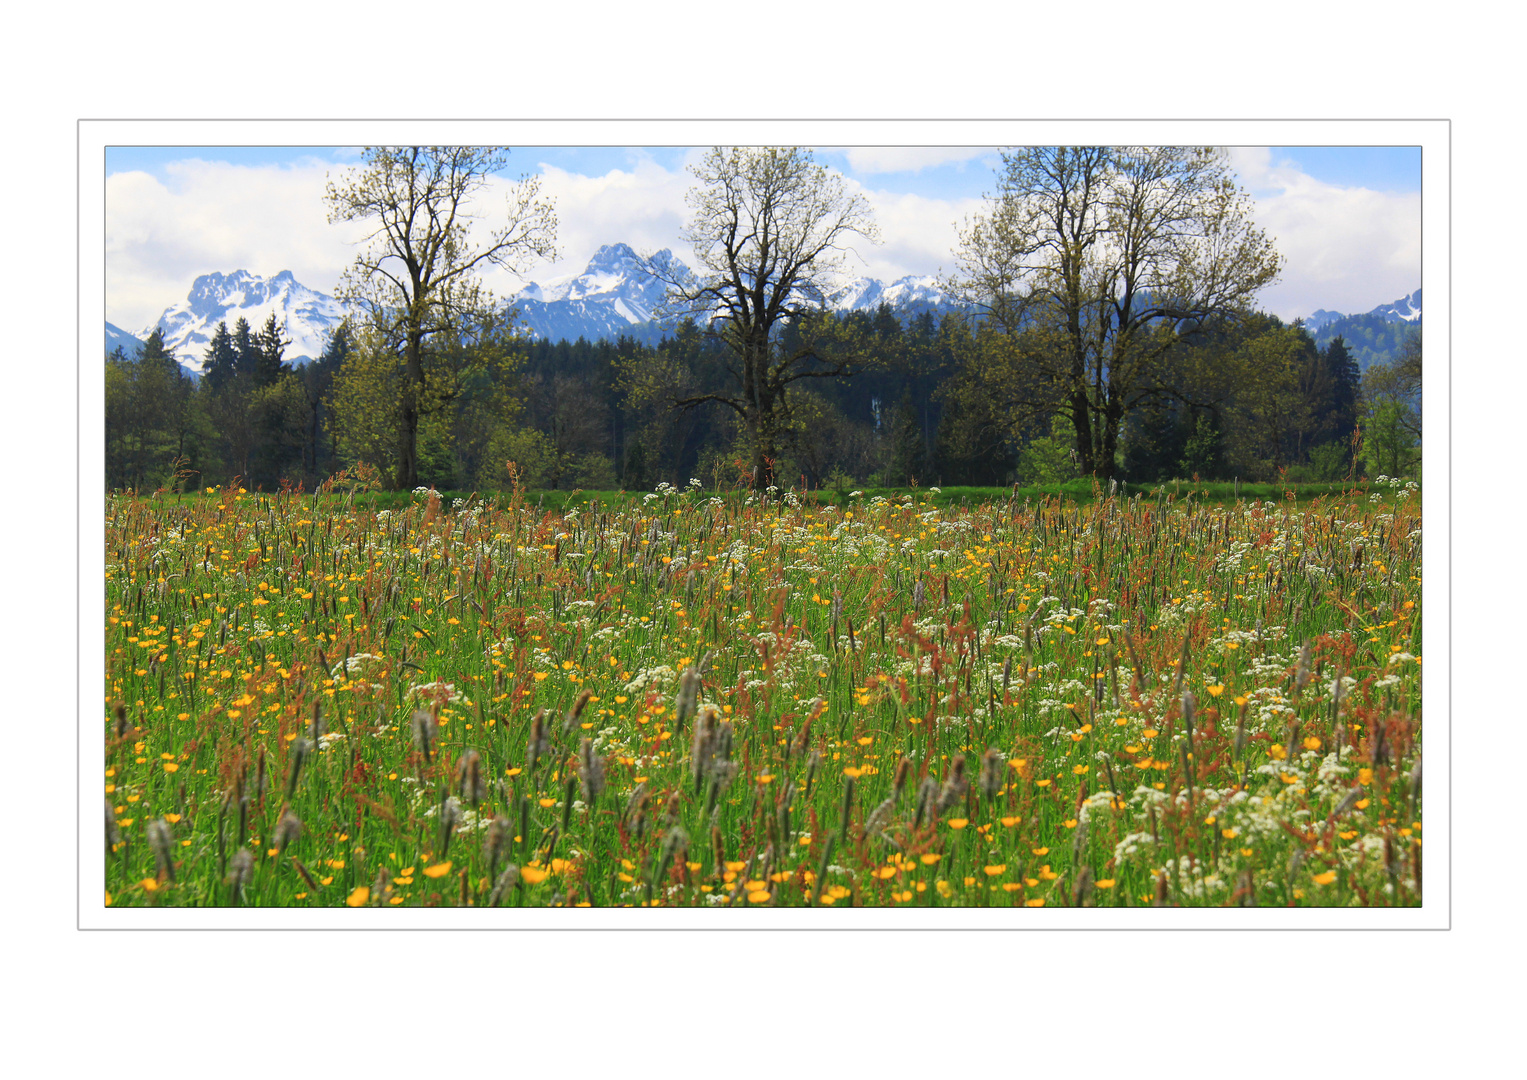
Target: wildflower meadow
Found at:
x=726, y=700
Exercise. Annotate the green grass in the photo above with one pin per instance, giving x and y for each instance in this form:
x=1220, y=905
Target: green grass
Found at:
x=322, y=681
x=1072, y=491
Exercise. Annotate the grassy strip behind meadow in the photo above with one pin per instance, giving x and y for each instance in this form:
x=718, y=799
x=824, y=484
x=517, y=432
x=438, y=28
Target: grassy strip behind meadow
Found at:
x=1071, y=491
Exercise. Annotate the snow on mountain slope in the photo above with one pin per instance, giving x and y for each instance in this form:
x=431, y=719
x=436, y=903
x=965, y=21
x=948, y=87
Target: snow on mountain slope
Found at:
x=306, y=315
x=1405, y=309
x=618, y=292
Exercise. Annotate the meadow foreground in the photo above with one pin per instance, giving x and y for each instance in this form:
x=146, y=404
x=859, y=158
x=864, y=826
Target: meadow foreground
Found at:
x=691, y=700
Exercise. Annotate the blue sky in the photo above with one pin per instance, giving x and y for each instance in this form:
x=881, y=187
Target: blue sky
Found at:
x=1347, y=218
x=1379, y=168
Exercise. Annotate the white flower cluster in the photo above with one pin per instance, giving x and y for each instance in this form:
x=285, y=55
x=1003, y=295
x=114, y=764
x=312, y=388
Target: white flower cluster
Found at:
x=659, y=676
x=432, y=690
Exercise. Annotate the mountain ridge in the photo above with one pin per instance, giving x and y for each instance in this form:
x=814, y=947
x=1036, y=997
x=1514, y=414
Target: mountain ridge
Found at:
x=618, y=293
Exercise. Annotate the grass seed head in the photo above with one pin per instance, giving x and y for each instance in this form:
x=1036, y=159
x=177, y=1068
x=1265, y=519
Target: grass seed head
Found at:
x=590, y=771
x=991, y=772
x=1302, y=671
x=240, y=869
x=450, y=817
x=503, y=883
x=880, y=817
x=687, y=698
x=1083, y=886
x=539, y=745
x=288, y=828
x=113, y=834
x=381, y=887
x=423, y=728
x=305, y=874
x=162, y=844
x=496, y=842
x=1349, y=801
x=299, y=754
x=927, y=799
x=701, y=748
x=469, y=777
x=576, y=711
x=955, y=786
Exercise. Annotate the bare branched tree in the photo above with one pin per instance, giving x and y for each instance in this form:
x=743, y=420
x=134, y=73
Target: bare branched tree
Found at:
x=772, y=230
x=417, y=273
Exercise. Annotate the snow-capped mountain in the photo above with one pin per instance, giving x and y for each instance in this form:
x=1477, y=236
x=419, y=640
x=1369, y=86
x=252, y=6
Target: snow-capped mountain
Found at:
x=907, y=295
x=618, y=292
x=1405, y=309
x=306, y=315
x=1322, y=318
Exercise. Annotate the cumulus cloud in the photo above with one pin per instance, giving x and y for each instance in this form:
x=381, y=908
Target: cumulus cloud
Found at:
x=642, y=206
x=884, y=159
x=1348, y=249
x=206, y=216
x=920, y=234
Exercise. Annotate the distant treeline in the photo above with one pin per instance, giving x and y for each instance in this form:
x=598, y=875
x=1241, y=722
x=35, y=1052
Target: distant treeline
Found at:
x=599, y=415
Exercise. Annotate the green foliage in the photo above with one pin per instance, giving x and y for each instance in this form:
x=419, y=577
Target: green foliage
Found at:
x=1372, y=339
x=1390, y=445
x=153, y=434
x=1201, y=450
x=1329, y=461
x=1049, y=458
x=1392, y=420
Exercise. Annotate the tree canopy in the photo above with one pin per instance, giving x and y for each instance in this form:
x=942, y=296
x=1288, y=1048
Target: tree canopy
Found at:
x=416, y=275
x=771, y=229
x=1088, y=267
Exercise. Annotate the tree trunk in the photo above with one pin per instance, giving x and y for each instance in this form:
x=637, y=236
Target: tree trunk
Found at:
x=1110, y=443
x=765, y=451
x=1081, y=420
x=408, y=429
x=408, y=449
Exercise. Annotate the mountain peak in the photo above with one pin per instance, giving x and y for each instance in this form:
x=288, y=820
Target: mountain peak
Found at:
x=307, y=316
x=1405, y=309
x=612, y=256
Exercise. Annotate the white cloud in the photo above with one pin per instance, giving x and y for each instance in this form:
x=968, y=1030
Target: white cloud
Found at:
x=882, y=159
x=642, y=206
x=919, y=234
x=212, y=216
x=1348, y=249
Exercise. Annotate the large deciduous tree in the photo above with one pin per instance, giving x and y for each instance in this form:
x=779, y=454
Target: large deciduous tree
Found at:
x=417, y=275
x=1090, y=265
x=771, y=229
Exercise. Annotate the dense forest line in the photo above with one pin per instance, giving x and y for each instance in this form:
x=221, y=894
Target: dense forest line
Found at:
x=1249, y=398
